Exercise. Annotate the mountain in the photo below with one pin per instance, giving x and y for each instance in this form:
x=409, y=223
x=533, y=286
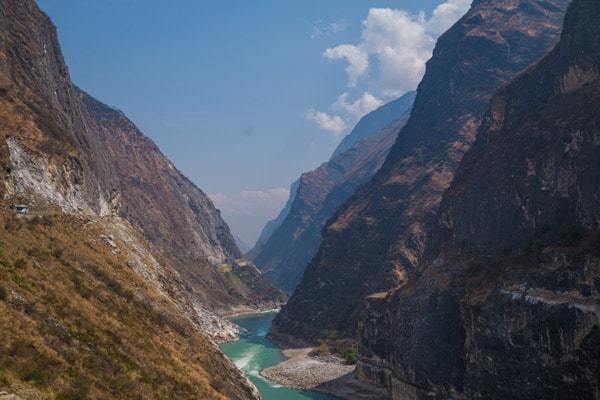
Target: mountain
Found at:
x=507, y=302
x=377, y=239
x=377, y=120
x=112, y=250
x=273, y=224
x=284, y=256
x=176, y=217
x=241, y=244
x=370, y=124
x=87, y=311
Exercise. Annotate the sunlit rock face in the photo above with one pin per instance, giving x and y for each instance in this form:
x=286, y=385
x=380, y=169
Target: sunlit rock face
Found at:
x=62, y=148
x=507, y=300
x=376, y=241
x=136, y=234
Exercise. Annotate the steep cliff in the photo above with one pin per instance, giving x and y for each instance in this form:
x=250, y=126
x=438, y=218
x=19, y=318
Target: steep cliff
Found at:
x=377, y=238
x=508, y=301
x=63, y=148
x=109, y=214
x=290, y=247
x=175, y=216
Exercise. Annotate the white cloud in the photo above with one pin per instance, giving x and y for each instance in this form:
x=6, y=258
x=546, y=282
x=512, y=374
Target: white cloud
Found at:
x=245, y=200
x=446, y=14
x=395, y=46
x=358, y=60
x=388, y=60
x=330, y=123
x=247, y=211
x=321, y=29
x=363, y=105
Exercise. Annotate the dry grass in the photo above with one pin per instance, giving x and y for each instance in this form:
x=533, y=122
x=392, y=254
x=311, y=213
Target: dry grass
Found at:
x=78, y=323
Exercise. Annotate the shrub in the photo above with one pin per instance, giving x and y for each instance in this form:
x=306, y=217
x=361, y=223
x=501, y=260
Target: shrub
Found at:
x=35, y=375
x=29, y=309
x=57, y=252
x=45, y=220
x=3, y=293
x=3, y=381
x=6, y=265
x=20, y=263
x=80, y=288
x=79, y=391
x=350, y=354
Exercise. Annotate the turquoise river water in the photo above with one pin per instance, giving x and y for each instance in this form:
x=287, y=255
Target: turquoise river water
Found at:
x=254, y=352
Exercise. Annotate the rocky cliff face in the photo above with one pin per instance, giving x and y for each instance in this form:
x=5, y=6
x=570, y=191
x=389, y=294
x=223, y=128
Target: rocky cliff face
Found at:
x=377, y=239
x=176, y=216
x=507, y=303
x=66, y=155
x=64, y=149
x=290, y=247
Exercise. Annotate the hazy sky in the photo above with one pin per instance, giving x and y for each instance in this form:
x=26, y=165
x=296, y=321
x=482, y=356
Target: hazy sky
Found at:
x=243, y=95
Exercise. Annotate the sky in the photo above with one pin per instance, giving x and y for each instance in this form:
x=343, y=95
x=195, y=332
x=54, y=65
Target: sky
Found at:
x=244, y=96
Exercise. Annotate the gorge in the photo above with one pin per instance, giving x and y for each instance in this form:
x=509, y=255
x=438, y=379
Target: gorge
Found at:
x=447, y=249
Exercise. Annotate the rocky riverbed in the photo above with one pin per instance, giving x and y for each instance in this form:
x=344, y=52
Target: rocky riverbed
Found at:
x=327, y=374
x=302, y=371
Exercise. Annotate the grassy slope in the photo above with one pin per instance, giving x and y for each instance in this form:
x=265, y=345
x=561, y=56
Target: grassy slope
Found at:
x=78, y=322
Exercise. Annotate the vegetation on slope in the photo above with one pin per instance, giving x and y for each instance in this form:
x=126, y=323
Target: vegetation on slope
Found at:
x=78, y=322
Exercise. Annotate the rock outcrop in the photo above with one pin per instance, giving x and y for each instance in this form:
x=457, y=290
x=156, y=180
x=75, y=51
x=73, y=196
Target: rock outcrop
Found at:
x=507, y=301
x=377, y=239
x=319, y=193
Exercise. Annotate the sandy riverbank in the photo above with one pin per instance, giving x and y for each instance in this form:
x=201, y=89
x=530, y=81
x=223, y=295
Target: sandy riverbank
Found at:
x=324, y=374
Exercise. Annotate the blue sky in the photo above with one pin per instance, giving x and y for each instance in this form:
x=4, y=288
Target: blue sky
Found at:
x=244, y=96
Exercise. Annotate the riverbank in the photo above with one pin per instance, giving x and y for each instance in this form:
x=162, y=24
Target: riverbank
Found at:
x=326, y=374
x=220, y=328
x=302, y=371
x=254, y=352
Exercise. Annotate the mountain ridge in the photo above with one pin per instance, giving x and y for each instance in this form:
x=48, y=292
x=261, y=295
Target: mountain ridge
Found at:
x=127, y=253
x=507, y=301
x=284, y=256
x=377, y=239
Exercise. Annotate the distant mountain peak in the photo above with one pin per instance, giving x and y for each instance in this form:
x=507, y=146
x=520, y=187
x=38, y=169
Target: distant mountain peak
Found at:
x=376, y=120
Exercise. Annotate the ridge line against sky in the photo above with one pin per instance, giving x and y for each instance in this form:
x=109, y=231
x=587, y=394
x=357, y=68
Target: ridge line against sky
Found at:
x=388, y=61
x=237, y=93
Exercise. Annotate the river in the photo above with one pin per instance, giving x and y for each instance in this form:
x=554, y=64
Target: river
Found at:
x=254, y=352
